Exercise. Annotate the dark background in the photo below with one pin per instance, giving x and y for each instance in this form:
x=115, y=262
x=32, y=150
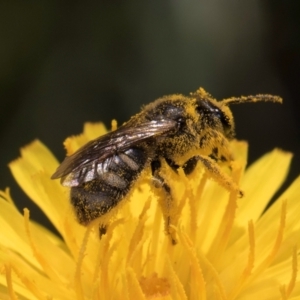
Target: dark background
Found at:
x=63, y=63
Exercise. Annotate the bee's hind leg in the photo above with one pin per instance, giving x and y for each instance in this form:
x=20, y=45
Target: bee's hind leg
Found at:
x=165, y=200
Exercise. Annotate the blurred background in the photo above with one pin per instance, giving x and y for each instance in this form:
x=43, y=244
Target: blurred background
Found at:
x=63, y=63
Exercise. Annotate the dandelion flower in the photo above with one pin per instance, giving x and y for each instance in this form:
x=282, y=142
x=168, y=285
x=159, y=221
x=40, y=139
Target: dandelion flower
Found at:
x=228, y=247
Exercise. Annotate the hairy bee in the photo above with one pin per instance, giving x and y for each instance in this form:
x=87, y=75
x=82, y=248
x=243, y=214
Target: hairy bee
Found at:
x=173, y=127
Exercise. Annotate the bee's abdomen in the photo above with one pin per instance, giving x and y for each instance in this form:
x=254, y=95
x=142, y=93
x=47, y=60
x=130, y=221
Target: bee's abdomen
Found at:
x=115, y=177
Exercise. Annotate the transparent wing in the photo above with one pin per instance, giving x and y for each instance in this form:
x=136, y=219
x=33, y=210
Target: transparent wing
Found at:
x=87, y=158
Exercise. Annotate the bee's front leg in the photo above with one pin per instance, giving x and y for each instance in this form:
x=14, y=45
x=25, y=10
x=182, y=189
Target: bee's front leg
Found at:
x=165, y=200
x=190, y=165
x=213, y=170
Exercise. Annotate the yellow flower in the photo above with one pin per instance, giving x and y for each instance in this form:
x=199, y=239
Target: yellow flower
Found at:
x=228, y=248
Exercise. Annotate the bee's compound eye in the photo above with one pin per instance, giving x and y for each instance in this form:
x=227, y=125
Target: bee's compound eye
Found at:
x=225, y=122
x=209, y=110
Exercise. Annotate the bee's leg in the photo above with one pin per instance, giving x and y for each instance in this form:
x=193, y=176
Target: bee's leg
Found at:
x=102, y=230
x=190, y=165
x=165, y=201
x=213, y=170
x=172, y=164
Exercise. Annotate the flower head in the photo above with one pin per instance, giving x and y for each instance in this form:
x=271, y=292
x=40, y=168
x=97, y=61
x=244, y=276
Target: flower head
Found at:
x=228, y=247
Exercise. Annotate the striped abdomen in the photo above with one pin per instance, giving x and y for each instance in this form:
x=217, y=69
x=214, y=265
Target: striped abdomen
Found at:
x=115, y=177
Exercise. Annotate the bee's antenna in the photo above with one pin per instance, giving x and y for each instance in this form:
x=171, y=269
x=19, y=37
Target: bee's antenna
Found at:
x=256, y=98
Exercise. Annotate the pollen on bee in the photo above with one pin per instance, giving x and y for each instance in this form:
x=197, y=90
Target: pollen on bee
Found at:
x=176, y=131
x=114, y=125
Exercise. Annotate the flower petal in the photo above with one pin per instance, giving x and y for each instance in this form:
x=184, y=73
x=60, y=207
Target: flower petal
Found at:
x=32, y=172
x=262, y=179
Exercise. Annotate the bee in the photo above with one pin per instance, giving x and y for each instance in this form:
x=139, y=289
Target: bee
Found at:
x=172, y=128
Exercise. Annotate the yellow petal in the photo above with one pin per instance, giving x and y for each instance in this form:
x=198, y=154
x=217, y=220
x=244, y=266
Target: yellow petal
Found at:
x=32, y=172
x=261, y=181
x=225, y=249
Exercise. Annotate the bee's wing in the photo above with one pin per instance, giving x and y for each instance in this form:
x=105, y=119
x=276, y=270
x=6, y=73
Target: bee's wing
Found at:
x=97, y=151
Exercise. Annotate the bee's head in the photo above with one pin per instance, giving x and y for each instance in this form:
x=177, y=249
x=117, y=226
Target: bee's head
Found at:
x=217, y=114
x=214, y=114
